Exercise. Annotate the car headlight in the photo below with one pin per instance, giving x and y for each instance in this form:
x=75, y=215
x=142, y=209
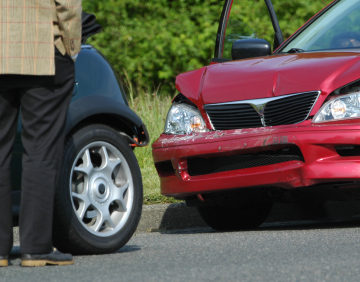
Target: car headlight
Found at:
x=340, y=108
x=184, y=119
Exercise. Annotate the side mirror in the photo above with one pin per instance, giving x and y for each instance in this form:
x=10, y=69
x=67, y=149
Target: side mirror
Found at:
x=249, y=48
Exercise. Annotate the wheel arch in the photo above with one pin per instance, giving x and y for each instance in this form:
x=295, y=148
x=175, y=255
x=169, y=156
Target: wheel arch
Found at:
x=102, y=110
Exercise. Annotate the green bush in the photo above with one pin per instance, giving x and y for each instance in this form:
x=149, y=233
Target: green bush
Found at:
x=152, y=41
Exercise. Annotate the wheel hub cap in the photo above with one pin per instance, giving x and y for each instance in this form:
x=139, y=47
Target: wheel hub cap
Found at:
x=100, y=188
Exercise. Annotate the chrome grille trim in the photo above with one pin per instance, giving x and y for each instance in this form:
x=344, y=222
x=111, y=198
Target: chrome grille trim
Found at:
x=262, y=112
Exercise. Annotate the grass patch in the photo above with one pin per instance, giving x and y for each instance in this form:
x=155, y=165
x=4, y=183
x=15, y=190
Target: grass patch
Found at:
x=152, y=109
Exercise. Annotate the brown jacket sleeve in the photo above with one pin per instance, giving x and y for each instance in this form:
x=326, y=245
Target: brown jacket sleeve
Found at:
x=69, y=21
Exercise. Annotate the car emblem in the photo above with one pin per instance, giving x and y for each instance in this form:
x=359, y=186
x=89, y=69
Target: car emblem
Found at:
x=259, y=107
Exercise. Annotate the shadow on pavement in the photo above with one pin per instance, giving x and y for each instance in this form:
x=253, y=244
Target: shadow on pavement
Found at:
x=180, y=219
x=128, y=249
x=15, y=251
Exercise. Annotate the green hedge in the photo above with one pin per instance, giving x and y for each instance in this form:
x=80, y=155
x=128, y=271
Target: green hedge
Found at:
x=150, y=42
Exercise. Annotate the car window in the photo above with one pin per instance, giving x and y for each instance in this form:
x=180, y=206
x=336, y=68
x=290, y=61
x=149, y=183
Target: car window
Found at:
x=242, y=23
x=337, y=28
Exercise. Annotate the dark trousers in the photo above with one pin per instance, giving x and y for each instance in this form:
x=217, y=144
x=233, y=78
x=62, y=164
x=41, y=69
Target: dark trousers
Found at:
x=43, y=102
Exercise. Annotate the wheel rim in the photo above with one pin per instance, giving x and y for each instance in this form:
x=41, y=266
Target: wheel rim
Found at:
x=101, y=189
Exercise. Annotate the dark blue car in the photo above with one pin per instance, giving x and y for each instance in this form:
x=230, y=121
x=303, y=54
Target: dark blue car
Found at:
x=99, y=194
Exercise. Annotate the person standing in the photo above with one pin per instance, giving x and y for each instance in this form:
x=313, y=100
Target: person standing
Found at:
x=38, y=41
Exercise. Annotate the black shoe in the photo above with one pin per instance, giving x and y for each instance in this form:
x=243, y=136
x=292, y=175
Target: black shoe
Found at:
x=53, y=258
x=4, y=261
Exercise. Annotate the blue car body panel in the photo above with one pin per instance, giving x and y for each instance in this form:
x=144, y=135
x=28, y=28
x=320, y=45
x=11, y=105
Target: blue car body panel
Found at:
x=98, y=97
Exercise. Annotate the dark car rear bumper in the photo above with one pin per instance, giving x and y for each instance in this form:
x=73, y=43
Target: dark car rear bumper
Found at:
x=283, y=156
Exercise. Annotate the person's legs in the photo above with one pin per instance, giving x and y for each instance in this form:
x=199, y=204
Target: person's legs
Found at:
x=9, y=104
x=43, y=116
x=43, y=111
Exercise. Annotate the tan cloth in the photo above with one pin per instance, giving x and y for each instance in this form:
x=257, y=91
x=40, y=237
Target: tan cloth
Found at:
x=29, y=29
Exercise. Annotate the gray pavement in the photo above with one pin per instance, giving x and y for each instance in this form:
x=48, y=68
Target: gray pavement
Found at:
x=178, y=216
x=279, y=252
x=171, y=245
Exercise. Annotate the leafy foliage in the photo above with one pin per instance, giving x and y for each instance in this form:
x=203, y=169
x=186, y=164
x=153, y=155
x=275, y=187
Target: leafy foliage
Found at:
x=152, y=41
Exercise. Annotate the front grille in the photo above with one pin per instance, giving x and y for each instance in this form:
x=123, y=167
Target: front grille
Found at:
x=233, y=116
x=287, y=109
x=348, y=150
x=214, y=164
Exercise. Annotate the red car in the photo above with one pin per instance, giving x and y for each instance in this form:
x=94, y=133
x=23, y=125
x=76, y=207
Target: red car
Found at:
x=255, y=126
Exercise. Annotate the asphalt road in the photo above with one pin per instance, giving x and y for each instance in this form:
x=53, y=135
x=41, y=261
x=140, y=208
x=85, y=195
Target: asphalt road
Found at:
x=286, y=251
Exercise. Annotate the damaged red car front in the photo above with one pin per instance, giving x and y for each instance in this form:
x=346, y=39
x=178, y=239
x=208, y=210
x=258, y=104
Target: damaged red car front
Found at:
x=254, y=122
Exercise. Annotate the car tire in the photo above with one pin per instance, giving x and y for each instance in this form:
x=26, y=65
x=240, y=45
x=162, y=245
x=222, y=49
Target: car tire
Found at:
x=98, y=202
x=229, y=218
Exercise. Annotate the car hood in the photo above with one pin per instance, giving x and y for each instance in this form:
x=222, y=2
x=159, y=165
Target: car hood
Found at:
x=270, y=76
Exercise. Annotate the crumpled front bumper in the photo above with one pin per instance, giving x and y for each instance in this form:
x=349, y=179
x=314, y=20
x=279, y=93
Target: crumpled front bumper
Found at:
x=326, y=153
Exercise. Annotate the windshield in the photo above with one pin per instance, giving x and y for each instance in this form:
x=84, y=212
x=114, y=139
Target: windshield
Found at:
x=337, y=28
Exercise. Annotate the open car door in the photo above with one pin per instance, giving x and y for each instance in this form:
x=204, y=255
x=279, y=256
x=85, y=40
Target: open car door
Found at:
x=237, y=39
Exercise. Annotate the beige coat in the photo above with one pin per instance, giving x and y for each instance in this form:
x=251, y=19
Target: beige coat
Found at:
x=29, y=29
